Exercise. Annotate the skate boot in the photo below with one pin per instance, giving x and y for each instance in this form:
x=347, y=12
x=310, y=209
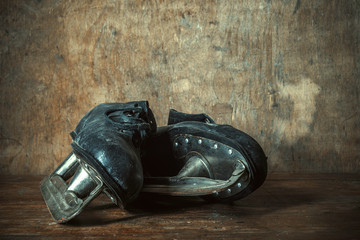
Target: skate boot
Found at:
x=105, y=158
x=193, y=156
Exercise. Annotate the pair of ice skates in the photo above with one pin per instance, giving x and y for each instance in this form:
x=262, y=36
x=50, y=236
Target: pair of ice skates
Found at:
x=119, y=150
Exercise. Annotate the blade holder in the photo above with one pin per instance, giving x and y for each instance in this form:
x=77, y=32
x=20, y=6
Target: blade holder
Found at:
x=70, y=188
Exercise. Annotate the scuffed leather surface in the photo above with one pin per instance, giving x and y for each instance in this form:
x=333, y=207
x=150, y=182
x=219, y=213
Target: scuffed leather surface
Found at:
x=111, y=135
x=198, y=125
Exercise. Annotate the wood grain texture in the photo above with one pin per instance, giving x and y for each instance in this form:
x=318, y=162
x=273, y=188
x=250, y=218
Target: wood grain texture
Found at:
x=287, y=206
x=286, y=72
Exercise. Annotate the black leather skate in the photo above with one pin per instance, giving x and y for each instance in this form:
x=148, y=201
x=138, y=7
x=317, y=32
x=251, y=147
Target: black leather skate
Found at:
x=193, y=156
x=105, y=158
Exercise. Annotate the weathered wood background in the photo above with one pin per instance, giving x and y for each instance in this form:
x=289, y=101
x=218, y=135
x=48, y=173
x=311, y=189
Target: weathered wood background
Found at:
x=286, y=72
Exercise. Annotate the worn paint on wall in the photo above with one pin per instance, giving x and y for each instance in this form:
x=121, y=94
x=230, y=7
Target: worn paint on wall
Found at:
x=286, y=72
x=301, y=114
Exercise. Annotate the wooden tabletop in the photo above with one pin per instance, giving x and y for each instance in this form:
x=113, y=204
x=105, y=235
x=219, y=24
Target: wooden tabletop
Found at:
x=287, y=206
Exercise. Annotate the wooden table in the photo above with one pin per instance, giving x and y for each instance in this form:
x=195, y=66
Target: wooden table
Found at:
x=287, y=206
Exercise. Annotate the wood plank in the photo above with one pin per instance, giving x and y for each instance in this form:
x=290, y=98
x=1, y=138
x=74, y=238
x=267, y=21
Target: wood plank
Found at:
x=287, y=206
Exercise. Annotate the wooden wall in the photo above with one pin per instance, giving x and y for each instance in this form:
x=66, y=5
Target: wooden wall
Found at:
x=286, y=72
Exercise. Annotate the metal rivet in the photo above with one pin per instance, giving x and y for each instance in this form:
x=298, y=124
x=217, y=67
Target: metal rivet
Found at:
x=176, y=144
x=238, y=185
x=230, y=151
x=186, y=140
x=199, y=141
x=229, y=190
x=216, y=193
x=215, y=146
